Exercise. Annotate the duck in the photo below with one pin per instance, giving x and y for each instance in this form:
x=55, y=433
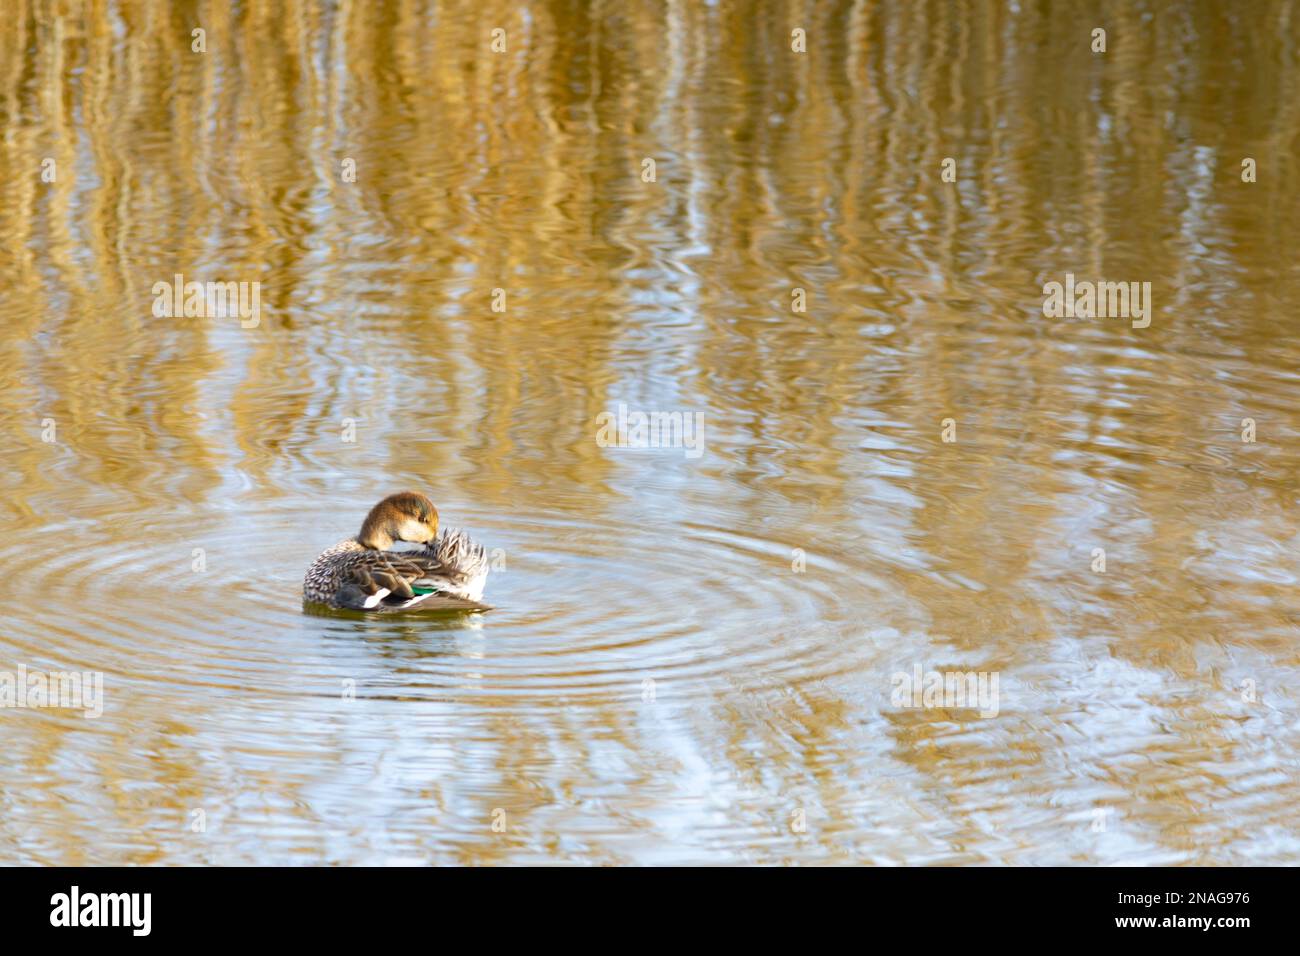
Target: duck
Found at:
x=365, y=574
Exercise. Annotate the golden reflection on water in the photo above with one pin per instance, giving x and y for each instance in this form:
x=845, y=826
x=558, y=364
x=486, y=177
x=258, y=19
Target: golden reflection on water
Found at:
x=658, y=683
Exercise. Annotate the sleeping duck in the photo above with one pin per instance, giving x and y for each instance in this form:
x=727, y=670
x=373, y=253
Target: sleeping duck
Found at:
x=363, y=574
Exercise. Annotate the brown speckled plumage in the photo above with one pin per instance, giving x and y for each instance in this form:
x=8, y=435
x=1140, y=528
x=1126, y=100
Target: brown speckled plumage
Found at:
x=361, y=573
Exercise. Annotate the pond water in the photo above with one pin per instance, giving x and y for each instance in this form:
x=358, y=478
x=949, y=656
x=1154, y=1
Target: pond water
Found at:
x=696, y=652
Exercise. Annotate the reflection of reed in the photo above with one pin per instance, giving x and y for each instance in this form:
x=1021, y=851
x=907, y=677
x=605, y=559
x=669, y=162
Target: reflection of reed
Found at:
x=518, y=170
x=480, y=170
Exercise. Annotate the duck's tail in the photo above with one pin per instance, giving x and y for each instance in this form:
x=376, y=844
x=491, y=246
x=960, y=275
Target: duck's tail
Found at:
x=454, y=549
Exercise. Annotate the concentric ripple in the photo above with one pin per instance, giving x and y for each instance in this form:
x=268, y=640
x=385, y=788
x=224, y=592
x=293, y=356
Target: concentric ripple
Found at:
x=686, y=607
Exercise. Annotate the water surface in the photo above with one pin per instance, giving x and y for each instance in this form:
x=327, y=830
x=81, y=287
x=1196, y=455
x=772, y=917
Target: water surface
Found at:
x=691, y=658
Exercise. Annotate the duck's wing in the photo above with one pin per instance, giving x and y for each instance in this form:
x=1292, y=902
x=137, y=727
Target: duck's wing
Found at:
x=431, y=602
x=389, y=580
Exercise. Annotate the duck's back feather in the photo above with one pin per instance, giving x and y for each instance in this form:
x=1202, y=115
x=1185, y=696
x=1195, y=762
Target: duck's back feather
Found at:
x=447, y=573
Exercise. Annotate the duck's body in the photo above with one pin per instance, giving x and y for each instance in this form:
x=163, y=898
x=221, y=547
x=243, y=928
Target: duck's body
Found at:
x=362, y=574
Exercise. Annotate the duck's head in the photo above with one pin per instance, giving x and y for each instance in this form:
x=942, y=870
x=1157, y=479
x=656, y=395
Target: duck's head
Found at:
x=405, y=516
